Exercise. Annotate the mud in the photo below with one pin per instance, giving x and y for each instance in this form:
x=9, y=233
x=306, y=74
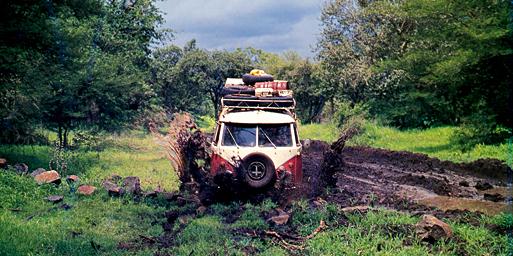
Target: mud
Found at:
x=407, y=181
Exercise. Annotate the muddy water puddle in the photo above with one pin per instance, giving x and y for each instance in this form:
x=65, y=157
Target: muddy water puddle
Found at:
x=453, y=203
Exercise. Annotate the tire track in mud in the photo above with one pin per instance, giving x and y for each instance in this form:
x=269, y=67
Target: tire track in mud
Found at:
x=407, y=181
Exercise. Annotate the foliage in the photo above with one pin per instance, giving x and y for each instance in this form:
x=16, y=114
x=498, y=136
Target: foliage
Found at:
x=420, y=63
x=435, y=142
x=480, y=128
x=191, y=79
x=74, y=64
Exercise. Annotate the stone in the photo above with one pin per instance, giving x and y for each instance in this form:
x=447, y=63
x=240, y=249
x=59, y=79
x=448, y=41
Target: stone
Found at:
x=66, y=206
x=494, y=197
x=37, y=171
x=86, y=190
x=55, y=199
x=114, y=178
x=318, y=202
x=3, y=163
x=167, y=226
x=464, y=183
x=359, y=208
x=280, y=219
x=172, y=216
x=201, y=210
x=169, y=196
x=132, y=185
x=151, y=193
x=112, y=189
x=483, y=185
x=21, y=168
x=48, y=177
x=72, y=178
x=430, y=229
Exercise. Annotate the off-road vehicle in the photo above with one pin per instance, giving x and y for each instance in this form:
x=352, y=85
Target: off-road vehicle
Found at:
x=256, y=139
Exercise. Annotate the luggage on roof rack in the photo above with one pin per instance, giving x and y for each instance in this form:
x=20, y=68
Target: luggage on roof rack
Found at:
x=253, y=102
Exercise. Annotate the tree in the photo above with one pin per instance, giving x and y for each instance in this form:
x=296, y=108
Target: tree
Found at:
x=420, y=63
x=85, y=64
x=191, y=79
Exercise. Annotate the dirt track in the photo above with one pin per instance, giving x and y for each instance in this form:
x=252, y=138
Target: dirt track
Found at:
x=408, y=181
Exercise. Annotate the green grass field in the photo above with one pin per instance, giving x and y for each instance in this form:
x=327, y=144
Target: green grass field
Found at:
x=99, y=224
x=435, y=142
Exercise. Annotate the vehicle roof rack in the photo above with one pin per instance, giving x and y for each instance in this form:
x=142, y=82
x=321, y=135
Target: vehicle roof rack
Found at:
x=245, y=102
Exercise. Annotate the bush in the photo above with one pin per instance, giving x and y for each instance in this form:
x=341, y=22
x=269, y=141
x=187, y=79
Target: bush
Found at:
x=347, y=112
x=480, y=128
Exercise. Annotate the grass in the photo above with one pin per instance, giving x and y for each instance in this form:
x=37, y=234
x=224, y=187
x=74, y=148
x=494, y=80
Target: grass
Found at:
x=30, y=225
x=98, y=224
x=435, y=142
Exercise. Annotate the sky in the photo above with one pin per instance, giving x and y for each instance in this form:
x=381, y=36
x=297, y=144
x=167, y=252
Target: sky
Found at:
x=271, y=25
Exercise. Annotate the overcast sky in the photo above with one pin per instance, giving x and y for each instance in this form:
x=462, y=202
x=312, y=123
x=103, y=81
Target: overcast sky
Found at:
x=271, y=25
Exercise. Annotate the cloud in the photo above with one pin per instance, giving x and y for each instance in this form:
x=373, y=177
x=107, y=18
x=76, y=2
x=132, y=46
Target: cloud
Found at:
x=228, y=24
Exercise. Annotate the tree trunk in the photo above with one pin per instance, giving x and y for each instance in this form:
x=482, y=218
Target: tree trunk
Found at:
x=65, y=139
x=59, y=134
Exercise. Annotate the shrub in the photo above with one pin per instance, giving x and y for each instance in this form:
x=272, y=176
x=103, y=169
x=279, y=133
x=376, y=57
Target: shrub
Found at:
x=480, y=128
x=346, y=112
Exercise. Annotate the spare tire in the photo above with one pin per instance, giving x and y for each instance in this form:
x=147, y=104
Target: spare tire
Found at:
x=238, y=90
x=251, y=79
x=259, y=171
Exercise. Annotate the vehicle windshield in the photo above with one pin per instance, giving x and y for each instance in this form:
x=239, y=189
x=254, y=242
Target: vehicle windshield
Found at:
x=274, y=135
x=239, y=135
x=269, y=135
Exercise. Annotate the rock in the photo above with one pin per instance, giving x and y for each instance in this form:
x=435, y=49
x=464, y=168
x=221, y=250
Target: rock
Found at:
x=167, y=226
x=494, y=197
x=55, y=198
x=48, y=177
x=151, y=194
x=37, y=171
x=132, y=185
x=430, y=229
x=112, y=189
x=66, y=206
x=3, y=162
x=168, y=196
x=464, y=183
x=181, y=201
x=280, y=219
x=318, y=202
x=72, y=178
x=86, y=190
x=201, y=210
x=184, y=220
x=483, y=185
x=359, y=208
x=172, y=216
x=21, y=168
x=114, y=178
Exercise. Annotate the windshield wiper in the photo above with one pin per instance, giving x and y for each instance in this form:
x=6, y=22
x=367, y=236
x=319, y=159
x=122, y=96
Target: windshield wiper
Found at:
x=265, y=134
x=231, y=135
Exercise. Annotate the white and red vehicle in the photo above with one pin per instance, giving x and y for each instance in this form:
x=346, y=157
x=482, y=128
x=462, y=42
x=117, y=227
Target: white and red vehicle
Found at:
x=256, y=139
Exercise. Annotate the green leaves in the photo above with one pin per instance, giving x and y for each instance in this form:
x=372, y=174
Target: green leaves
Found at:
x=83, y=64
